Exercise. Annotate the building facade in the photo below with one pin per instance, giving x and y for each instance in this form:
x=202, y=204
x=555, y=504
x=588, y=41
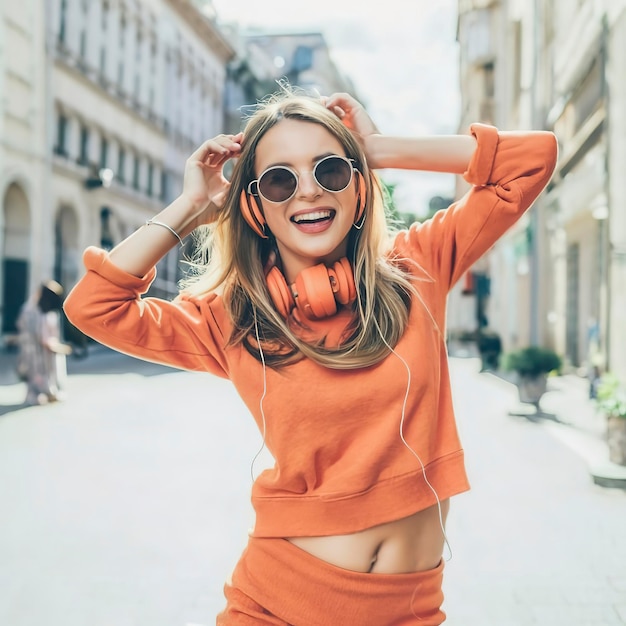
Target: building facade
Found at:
x=266, y=59
x=101, y=111
x=102, y=102
x=24, y=157
x=559, y=275
x=136, y=86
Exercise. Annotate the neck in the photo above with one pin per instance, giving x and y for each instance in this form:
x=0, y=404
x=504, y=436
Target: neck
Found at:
x=291, y=265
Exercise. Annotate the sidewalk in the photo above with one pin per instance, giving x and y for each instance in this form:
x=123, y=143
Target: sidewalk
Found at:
x=570, y=416
x=535, y=541
x=8, y=361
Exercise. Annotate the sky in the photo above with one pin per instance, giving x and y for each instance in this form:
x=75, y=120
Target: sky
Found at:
x=401, y=56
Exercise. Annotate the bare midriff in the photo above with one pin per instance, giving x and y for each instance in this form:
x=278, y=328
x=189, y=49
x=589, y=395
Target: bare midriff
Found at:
x=410, y=544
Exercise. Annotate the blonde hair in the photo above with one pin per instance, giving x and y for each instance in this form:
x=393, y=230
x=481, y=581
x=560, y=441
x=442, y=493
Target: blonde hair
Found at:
x=231, y=259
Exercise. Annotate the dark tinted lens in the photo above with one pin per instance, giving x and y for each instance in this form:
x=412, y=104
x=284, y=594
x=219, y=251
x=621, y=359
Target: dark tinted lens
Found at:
x=277, y=184
x=333, y=173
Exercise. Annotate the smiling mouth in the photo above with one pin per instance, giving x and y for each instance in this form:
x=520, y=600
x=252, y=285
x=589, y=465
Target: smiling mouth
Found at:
x=314, y=217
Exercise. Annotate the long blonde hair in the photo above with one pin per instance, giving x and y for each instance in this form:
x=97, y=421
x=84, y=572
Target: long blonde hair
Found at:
x=231, y=258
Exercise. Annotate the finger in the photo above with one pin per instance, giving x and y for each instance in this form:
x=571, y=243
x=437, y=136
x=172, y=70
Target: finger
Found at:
x=343, y=100
x=218, y=145
x=218, y=160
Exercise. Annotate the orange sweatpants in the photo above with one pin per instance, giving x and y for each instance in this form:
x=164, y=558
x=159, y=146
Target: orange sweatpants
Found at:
x=277, y=584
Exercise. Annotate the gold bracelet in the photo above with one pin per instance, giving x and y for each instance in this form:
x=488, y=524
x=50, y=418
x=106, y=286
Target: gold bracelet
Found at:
x=157, y=223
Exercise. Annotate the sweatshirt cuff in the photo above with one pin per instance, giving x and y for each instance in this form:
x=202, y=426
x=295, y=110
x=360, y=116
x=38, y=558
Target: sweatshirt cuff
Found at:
x=481, y=164
x=97, y=260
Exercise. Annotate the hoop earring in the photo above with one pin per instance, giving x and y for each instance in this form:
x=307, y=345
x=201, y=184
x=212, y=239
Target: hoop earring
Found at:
x=361, y=222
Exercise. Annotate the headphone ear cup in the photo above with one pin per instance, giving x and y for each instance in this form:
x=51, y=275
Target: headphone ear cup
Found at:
x=279, y=292
x=342, y=281
x=314, y=293
x=252, y=213
x=361, y=199
x=317, y=290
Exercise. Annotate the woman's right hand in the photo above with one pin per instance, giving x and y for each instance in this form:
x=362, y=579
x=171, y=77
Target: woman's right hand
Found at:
x=205, y=186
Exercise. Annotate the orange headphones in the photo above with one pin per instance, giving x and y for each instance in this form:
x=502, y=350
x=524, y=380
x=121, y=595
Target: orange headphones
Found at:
x=253, y=213
x=316, y=292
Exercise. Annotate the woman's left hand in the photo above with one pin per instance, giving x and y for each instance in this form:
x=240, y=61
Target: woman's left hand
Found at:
x=353, y=114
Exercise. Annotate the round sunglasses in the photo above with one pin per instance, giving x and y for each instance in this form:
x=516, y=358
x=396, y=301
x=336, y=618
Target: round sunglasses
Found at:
x=279, y=183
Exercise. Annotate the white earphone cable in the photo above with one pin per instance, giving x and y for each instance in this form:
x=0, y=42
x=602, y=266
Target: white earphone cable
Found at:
x=411, y=450
x=264, y=429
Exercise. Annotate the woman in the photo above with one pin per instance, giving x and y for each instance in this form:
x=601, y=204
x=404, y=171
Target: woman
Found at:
x=41, y=360
x=333, y=333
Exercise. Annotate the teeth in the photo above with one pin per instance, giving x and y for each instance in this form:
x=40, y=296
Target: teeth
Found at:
x=311, y=217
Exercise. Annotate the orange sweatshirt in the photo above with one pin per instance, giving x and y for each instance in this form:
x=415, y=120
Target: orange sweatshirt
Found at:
x=340, y=464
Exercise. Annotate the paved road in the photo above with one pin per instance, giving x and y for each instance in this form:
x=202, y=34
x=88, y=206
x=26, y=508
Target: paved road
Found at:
x=127, y=505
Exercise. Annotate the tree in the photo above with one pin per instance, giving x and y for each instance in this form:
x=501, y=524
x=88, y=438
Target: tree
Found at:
x=397, y=218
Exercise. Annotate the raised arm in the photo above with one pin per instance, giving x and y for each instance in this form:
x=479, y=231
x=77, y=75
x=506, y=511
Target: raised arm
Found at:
x=446, y=153
x=108, y=304
x=204, y=191
x=507, y=172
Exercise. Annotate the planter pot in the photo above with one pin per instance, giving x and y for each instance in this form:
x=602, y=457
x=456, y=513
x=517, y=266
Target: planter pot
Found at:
x=531, y=388
x=616, y=437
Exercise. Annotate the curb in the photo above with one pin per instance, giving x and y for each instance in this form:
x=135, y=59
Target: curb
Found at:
x=583, y=435
x=609, y=475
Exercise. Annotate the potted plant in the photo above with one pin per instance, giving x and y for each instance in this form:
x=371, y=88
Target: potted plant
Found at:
x=532, y=366
x=611, y=401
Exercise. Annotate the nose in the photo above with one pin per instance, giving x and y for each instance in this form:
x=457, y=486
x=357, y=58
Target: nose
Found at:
x=308, y=187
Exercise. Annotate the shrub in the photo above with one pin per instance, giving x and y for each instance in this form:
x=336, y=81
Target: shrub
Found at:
x=532, y=361
x=611, y=396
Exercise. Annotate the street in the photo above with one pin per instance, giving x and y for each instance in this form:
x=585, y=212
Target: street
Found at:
x=128, y=504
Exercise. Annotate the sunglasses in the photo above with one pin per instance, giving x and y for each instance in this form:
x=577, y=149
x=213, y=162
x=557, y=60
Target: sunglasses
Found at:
x=279, y=183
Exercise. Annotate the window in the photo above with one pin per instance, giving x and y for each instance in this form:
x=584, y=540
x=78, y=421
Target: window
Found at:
x=137, y=87
x=83, y=30
x=103, y=60
x=164, y=179
x=106, y=236
x=120, y=54
x=121, y=165
x=104, y=152
x=105, y=17
x=573, y=303
x=83, y=44
x=136, y=165
x=150, y=185
x=61, y=144
x=83, y=156
x=63, y=21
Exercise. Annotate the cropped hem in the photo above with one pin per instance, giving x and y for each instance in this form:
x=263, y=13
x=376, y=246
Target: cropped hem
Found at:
x=386, y=501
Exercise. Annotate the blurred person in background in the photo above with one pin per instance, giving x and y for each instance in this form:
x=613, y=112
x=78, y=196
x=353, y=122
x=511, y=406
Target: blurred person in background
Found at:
x=41, y=359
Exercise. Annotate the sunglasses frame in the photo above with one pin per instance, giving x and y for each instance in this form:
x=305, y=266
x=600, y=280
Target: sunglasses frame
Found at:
x=258, y=192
